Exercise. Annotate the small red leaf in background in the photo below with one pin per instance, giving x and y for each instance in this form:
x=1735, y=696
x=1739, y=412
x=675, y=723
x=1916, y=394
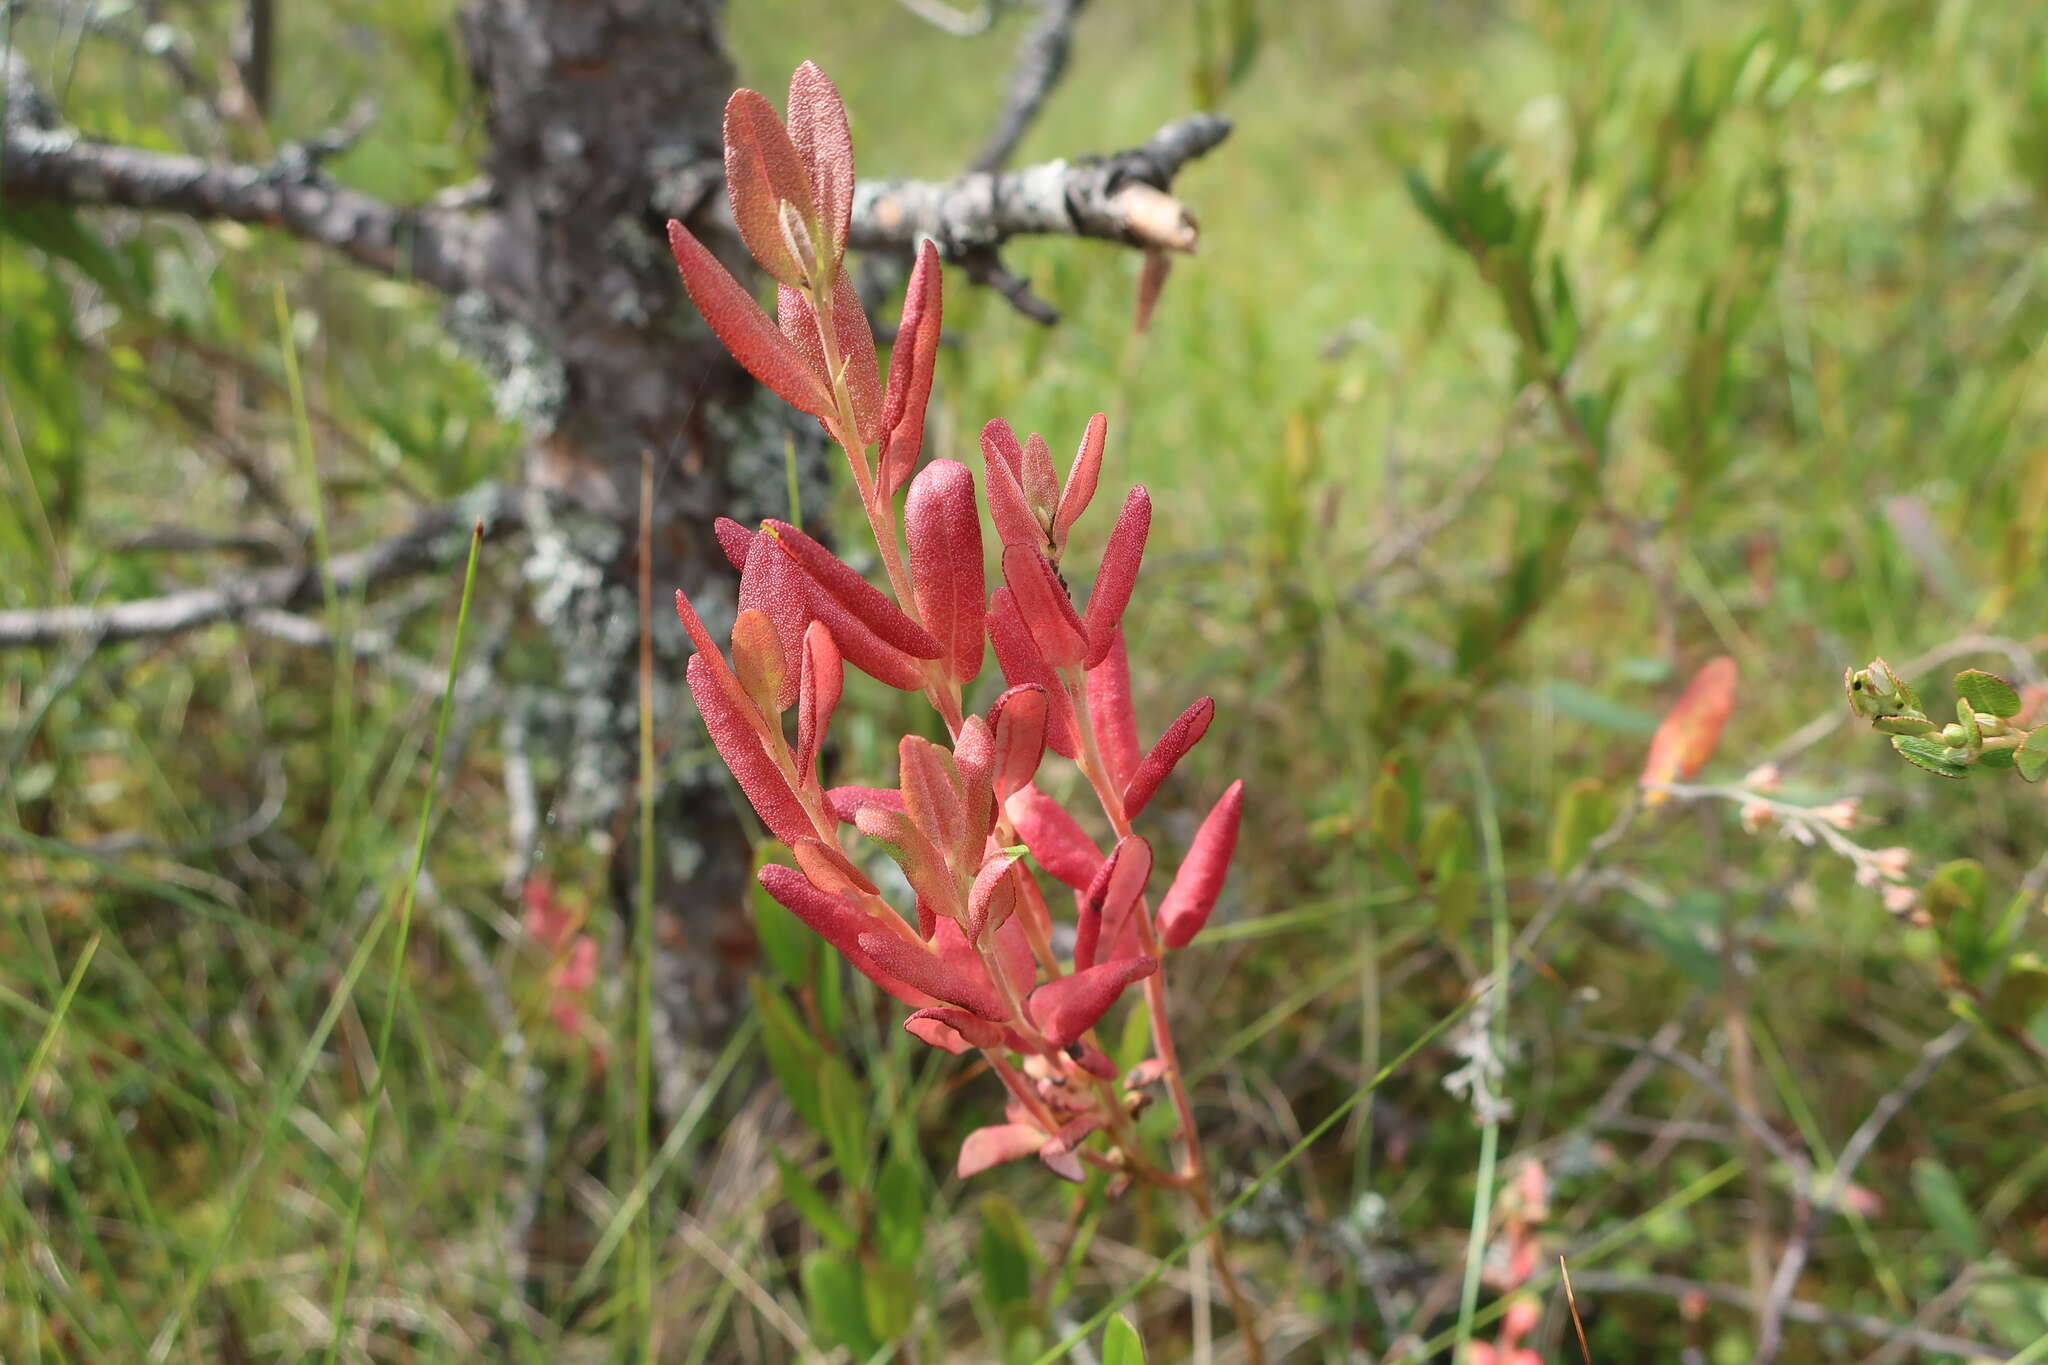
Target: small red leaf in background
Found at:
x=1047, y=611
x=911, y=361
x=748, y=333
x=1113, y=713
x=1192, y=897
x=763, y=172
x=992, y=1146
x=1119, y=572
x=1054, y=837
x=946, y=579
x=817, y=128
x=966, y=1030
x=1185, y=732
x=1067, y=1008
x=1691, y=728
x=1081, y=480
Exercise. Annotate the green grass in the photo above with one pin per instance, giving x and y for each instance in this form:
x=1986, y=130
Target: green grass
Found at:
x=198, y=1042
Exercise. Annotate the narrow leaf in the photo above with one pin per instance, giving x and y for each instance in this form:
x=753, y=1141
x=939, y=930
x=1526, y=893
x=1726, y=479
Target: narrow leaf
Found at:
x=817, y=127
x=1691, y=728
x=1192, y=897
x=1111, y=709
x=737, y=737
x=763, y=172
x=1043, y=603
x=1067, y=1008
x=1118, y=574
x=944, y=529
x=1181, y=736
x=1081, y=480
x=747, y=332
x=911, y=362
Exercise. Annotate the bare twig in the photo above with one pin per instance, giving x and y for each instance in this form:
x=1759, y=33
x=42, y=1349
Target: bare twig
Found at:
x=254, y=40
x=1796, y=1310
x=436, y=538
x=1705, y=1077
x=1770, y=1333
x=1041, y=61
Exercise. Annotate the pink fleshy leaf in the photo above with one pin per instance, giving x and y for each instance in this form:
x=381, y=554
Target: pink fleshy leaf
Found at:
x=1017, y=723
x=1181, y=736
x=921, y=968
x=1081, y=480
x=1062, y=1163
x=1018, y=656
x=1093, y=1061
x=1110, y=896
x=1118, y=574
x=934, y=797
x=735, y=539
x=993, y=897
x=821, y=675
x=911, y=362
x=1011, y=950
x=862, y=600
x=969, y=1030
x=840, y=923
x=1002, y=460
x=994, y=1145
x=855, y=342
x=924, y=867
x=1067, y=1008
x=1111, y=710
x=817, y=128
x=737, y=737
x=827, y=867
x=944, y=529
x=774, y=586
x=1045, y=606
x=1054, y=837
x=1041, y=484
x=974, y=754
x=763, y=172
x=1189, y=901
x=846, y=802
x=746, y=331
x=759, y=663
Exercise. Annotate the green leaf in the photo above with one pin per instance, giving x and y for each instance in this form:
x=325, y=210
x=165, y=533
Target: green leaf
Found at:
x=833, y=1302
x=1987, y=692
x=2032, y=757
x=812, y=1204
x=1581, y=814
x=1456, y=901
x=1930, y=754
x=1941, y=1199
x=1446, y=843
x=1390, y=812
x=845, y=1121
x=1005, y=1253
x=890, y=1295
x=1121, y=1344
x=1582, y=703
x=793, y=1055
x=1954, y=899
x=2022, y=993
x=899, y=1211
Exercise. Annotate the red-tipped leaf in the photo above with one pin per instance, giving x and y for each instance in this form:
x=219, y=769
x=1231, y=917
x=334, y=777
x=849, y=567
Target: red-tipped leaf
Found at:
x=1054, y=837
x=1045, y=606
x=738, y=741
x=747, y=331
x=1118, y=574
x=1111, y=710
x=1181, y=736
x=1691, y=728
x=993, y=897
x=920, y=968
x=1067, y=1008
x=1081, y=480
x=820, y=677
x=817, y=127
x=944, y=529
x=911, y=362
x=1188, y=902
x=763, y=172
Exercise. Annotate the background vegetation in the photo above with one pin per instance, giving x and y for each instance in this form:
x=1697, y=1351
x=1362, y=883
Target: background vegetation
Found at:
x=1726, y=339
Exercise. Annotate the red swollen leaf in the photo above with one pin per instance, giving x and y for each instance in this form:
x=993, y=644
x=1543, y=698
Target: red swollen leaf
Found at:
x=911, y=362
x=1081, y=480
x=821, y=676
x=1067, y=1008
x=735, y=539
x=862, y=600
x=934, y=798
x=1002, y=460
x=840, y=923
x=1054, y=837
x=1188, y=902
x=817, y=126
x=736, y=735
x=1011, y=951
x=775, y=587
x=1691, y=729
x=1022, y=664
x=746, y=331
x=913, y=851
x=994, y=1145
x=1045, y=606
x=1181, y=736
x=1111, y=711
x=921, y=968
x=827, y=867
x=855, y=342
x=944, y=529
x=1118, y=574
x=974, y=753
x=1111, y=895
x=993, y=897
x=846, y=802
x=965, y=1030
x=1017, y=725
x=763, y=172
